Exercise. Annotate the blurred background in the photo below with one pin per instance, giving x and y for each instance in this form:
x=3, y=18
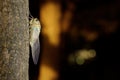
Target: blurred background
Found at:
x=81, y=36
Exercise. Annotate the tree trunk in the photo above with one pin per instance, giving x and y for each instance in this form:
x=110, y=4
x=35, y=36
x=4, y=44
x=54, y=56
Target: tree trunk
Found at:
x=14, y=40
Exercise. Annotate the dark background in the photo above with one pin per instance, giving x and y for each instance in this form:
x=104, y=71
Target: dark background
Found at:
x=106, y=65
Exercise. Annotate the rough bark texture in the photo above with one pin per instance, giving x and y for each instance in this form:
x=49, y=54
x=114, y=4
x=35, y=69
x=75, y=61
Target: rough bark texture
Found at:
x=14, y=31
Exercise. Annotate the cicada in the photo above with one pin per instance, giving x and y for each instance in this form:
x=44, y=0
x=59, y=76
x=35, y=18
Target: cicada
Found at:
x=35, y=28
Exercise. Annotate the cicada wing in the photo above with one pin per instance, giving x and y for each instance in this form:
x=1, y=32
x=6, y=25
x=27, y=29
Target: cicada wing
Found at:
x=35, y=51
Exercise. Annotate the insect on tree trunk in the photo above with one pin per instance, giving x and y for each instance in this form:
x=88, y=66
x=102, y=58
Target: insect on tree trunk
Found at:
x=14, y=40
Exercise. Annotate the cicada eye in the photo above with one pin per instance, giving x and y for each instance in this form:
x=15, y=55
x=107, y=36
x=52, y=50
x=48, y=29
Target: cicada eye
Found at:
x=36, y=19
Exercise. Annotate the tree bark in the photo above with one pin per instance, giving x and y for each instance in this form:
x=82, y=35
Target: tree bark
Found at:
x=14, y=40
